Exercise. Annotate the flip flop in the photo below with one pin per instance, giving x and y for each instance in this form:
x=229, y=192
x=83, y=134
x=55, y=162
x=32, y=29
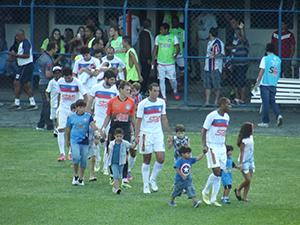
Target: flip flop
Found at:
x=93, y=179
x=238, y=197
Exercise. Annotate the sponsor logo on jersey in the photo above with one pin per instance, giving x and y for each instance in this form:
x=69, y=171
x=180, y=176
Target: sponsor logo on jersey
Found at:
x=154, y=119
x=121, y=117
x=127, y=107
x=68, y=97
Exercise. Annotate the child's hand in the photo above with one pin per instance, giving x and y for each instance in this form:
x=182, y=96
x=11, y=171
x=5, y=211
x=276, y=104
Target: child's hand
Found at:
x=241, y=167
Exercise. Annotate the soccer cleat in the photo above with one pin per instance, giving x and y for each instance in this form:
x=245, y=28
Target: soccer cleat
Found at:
x=177, y=96
x=14, y=107
x=97, y=166
x=124, y=185
x=80, y=182
x=179, y=82
x=124, y=180
x=70, y=156
x=105, y=172
x=227, y=201
x=61, y=158
x=31, y=107
x=129, y=176
x=215, y=203
x=111, y=181
x=279, y=120
x=75, y=180
x=171, y=203
x=205, y=198
x=153, y=185
x=197, y=204
x=146, y=190
x=263, y=125
x=39, y=128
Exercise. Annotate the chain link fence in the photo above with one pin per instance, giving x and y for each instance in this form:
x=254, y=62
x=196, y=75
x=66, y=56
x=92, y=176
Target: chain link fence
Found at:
x=244, y=28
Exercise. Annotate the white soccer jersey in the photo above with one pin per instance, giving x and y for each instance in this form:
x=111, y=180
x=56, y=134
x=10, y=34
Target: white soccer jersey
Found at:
x=248, y=150
x=102, y=96
x=116, y=62
x=87, y=80
x=150, y=113
x=216, y=126
x=52, y=88
x=214, y=47
x=69, y=93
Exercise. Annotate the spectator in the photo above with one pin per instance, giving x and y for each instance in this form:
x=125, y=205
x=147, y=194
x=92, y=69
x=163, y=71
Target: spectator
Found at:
x=132, y=62
x=135, y=26
x=55, y=37
x=287, y=48
x=68, y=35
x=213, y=66
x=97, y=44
x=24, y=59
x=77, y=41
x=167, y=49
x=116, y=42
x=89, y=35
x=98, y=26
x=145, y=54
x=46, y=74
x=98, y=55
x=205, y=21
x=267, y=79
x=240, y=66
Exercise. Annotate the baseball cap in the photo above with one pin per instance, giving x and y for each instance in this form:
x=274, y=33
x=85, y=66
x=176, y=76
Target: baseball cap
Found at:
x=56, y=68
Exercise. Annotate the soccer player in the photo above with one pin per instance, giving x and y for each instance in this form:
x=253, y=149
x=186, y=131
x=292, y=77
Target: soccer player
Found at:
x=101, y=94
x=116, y=42
x=121, y=113
x=151, y=115
x=69, y=89
x=213, y=140
x=167, y=49
x=87, y=68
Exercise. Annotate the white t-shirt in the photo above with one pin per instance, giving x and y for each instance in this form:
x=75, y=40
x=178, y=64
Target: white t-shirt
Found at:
x=214, y=47
x=87, y=80
x=204, y=23
x=135, y=25
x=69, y=93
x=52, y=88
x=150, y=113
x=116, y=62
x=102, y=95
x=216, y=126
x=24, y=48
x=248, y=150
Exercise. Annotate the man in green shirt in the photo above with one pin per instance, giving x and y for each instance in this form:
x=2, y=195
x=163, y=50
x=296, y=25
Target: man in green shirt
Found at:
x=167, y=49
x=116, y=42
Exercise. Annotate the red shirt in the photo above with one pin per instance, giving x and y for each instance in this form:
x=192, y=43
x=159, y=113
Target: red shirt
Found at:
x=287, y=40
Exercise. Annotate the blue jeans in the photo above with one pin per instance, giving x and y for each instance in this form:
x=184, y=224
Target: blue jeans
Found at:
x=267, y=94
x=79, y=154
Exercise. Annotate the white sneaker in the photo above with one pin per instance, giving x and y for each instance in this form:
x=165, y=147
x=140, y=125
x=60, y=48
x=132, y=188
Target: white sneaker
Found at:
x=105, y=172
x=75, y=180
x=215, y=203
x=97, y=166
x=279, y=120
x=147, y=190
x=263, y=125
x=205, y=198
x=80, y=182
x=197, y=204
x=117, y=191
x=153, y=185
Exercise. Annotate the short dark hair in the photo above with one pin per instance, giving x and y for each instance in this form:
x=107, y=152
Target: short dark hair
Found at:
x=50, y=46
x=116, y=28
x=270, y=47
x=80, y=102
x=118, y=82
x=85, y=50
x=91, y=28
x=229, y=148
x=184, y=149
x=152, y=85
x=67, y=71
x=136, y=86
x=124, y=83
x=97, y=51
x=223, y=101
x=175, y=18
x=127, y=39
x=165, y=26
x=147, y=23
x=73, y=106
x=179, y=128
x=96, y=41
x=214, y=31
x=109, y=74
x=119, y=131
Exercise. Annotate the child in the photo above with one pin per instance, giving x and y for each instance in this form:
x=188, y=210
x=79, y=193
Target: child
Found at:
x=183, y=178
x=77, y=133
x=52, y=90
x=178, y=141
x=227, y=175
x=117, y=153
x=245, y=159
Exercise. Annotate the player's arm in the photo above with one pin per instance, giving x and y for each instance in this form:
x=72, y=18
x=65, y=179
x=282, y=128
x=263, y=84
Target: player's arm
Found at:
x=137, y=129
x=154, y=54
x=105, y=123
x=58, y=99
x=180, y=174
x=203, y=137
x=68, y=132
x=89, y=104
x=165, y=124
x=85, y=98
x=242, y=148
x=133, y=121
x=170, y=143
x=188, y=143
x=177, y=51
x=47, y=96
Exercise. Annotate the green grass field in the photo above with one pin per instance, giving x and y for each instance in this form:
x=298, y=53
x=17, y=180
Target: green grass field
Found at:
x=36, y=189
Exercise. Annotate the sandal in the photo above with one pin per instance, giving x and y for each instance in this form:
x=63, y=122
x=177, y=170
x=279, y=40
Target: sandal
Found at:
x=238, y=197
x=93, y=179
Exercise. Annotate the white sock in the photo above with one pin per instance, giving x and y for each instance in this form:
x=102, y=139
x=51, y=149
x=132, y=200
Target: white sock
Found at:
x=215, y=189
x=98, y=157
x=32, y=101
x=145, y=174
x=210, y=181
x=70, y=151
x=156, y=170
x=162, y=85
x=105, y=166
x=17, y=101
x=174, y=85
x=131, y=161
x=61, y=142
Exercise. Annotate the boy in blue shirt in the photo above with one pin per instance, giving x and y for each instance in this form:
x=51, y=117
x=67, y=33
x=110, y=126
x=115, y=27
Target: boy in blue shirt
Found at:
x=183, y=178
x=77, y=135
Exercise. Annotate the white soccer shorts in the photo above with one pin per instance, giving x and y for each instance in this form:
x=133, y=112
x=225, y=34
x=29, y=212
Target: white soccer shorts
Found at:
x=216, y=156
x=151, y=142
x=166, y=72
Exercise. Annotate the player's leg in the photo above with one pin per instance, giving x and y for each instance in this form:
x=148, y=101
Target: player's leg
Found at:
x=61, y=124
x=92, y=156
x=162, y=80
x=171, y=75
x=146, y=172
